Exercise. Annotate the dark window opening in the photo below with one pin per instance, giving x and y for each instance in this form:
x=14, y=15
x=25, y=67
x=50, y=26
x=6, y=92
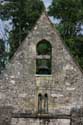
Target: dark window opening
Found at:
x=39, y=103
x=43, y=64
x=45, y=103
x=44, y=48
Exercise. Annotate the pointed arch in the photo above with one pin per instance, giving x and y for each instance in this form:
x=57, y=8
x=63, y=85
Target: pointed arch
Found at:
x=44, y=47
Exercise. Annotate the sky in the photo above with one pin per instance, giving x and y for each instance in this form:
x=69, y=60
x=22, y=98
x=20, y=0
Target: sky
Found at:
x=3, y=24
x=1, y=29
x=47, y=2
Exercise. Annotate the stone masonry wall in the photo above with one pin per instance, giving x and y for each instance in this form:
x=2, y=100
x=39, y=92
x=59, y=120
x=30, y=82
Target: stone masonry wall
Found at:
x=19, y=84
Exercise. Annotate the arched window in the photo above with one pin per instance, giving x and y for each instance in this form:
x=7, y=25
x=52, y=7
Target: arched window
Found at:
x=46, y=103
x=40, y=103
x=44, y=56
x=43, y=103
x=44, y=48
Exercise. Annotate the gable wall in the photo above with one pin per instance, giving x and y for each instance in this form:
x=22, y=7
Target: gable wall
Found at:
x=19, y=85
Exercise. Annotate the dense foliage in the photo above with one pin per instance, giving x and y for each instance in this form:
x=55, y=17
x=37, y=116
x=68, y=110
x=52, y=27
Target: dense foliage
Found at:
x=2, y=54
x=23, y=14
x=70, y=14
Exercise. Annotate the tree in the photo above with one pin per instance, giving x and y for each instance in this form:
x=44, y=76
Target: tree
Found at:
x=70, y=13
x=2, y=52
x=24, y=14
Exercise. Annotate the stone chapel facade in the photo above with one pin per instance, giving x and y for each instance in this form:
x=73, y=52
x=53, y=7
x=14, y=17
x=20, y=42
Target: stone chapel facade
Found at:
x=41, y=81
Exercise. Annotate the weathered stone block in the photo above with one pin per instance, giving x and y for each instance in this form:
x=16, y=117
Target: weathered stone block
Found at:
x=5, y=115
